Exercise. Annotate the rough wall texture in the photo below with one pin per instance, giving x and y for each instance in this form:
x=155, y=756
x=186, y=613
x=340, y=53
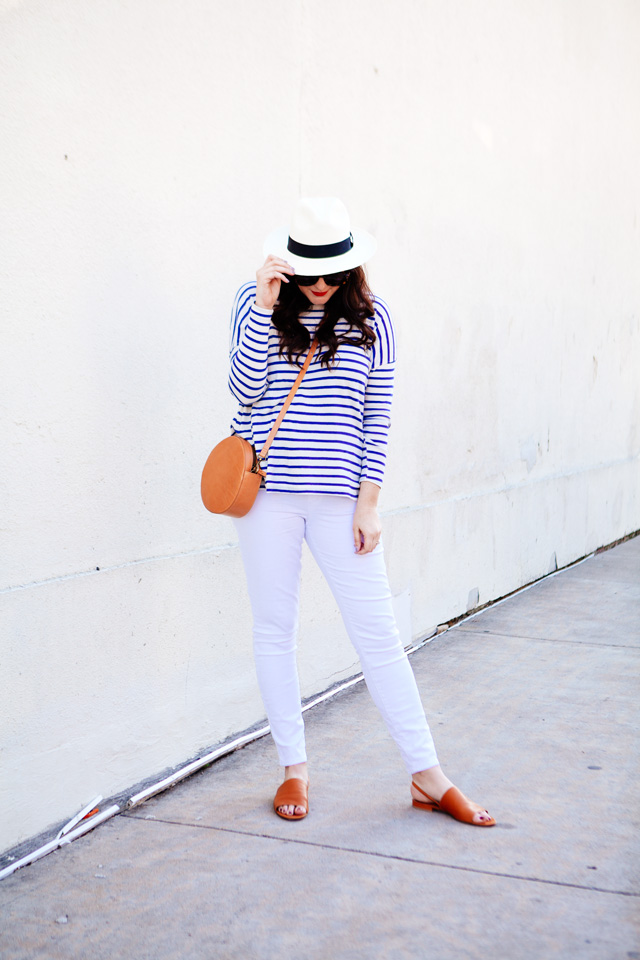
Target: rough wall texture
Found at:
x=147, y=148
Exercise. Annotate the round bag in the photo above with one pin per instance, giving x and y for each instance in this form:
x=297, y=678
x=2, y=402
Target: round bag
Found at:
x=233, y=472
x=231, y=477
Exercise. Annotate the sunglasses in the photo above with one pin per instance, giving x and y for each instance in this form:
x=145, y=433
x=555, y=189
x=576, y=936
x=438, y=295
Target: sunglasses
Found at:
x=331, y=279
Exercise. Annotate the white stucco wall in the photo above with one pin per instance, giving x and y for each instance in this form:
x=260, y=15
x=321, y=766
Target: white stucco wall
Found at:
x=147, y=147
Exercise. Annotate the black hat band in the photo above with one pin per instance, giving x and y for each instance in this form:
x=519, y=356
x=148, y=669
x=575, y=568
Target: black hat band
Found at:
x=320, y=251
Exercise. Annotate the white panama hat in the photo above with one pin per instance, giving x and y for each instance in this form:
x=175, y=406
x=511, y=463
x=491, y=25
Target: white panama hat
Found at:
x=320, y=239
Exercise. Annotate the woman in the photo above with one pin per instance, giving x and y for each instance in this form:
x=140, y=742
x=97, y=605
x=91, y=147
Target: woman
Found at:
x=323, y=476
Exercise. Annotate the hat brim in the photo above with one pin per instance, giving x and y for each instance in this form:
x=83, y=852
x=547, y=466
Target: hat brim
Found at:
x=364, y=247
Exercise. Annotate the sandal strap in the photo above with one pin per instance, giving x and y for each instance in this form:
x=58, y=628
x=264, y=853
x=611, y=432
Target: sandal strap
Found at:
x=457, y=805
x=420, y=790
x=454, y=802
x=293, y=792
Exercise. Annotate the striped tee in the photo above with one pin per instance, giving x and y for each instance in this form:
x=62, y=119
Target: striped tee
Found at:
x=334, y=434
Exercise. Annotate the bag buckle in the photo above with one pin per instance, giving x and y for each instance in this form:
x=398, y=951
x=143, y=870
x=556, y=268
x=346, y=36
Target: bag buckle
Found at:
x=257, y=463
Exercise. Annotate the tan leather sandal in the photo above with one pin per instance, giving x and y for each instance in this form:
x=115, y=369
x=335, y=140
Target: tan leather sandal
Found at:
x=453, y=802
x=293, y=792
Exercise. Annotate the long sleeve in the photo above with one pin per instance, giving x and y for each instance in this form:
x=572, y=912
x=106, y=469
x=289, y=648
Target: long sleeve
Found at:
x=249, y=341
x=378, y=397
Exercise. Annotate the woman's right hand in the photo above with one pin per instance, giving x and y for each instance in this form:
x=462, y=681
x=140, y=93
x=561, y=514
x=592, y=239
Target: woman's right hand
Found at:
x=273, y=272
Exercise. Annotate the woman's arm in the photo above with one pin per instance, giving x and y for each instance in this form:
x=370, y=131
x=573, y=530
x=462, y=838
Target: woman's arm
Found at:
x=376, y=423
x=378, y=396
x=366, y=522
x=250, y=326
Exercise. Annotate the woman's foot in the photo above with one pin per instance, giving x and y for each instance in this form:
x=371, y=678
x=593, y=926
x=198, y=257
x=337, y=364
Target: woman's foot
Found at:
x=435, y=784
x=298, y=771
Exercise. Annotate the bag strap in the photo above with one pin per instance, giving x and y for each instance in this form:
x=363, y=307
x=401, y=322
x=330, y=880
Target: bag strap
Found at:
x=285, y=406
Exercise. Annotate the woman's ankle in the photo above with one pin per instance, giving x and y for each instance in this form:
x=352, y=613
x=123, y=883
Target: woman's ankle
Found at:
x=433, y=781
x=297, y=770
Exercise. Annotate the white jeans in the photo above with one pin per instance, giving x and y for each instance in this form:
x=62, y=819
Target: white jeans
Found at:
x=271, y=537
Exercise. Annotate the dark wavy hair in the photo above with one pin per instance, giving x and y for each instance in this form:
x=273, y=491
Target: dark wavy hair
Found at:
x=352, y=301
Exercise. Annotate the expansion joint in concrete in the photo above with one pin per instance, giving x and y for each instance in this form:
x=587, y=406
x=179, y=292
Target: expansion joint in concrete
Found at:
x=590, y=888
x=94, y=571
x=519, y=636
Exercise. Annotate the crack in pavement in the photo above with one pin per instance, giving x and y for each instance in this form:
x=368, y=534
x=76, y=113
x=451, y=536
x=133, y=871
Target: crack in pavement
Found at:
x=575, y=643
x=387, y=856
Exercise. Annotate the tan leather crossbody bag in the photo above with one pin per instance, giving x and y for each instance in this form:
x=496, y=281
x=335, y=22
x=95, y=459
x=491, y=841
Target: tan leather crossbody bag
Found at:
x=233, y=472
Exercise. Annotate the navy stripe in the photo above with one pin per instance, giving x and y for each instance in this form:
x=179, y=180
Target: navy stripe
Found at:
x=302, y=485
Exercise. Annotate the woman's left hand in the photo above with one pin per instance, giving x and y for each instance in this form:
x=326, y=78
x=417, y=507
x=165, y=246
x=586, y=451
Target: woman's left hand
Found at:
x=366, y=522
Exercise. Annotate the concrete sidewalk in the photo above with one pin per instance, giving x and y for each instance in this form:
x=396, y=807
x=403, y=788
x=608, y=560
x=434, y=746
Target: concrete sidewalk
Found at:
x=533, y=705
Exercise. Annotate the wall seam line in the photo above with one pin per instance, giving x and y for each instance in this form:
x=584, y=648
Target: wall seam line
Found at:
x=399, y=511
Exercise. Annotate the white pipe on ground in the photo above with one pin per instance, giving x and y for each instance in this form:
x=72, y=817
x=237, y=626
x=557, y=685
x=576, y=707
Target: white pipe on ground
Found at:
x=61, y=841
